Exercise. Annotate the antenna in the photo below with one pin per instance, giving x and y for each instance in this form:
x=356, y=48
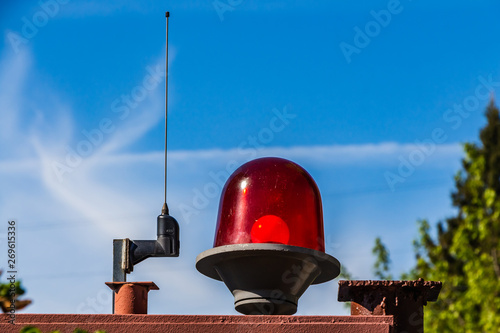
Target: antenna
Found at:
x=128, y=253
x=164, y=209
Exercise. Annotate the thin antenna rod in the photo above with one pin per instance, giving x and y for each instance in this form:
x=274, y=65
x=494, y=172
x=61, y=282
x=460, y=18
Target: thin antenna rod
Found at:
x=164, y=209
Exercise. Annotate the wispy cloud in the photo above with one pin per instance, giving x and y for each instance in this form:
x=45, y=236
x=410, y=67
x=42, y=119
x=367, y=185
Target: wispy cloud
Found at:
x=37, y=134
x=13, y=69
x=330, y=154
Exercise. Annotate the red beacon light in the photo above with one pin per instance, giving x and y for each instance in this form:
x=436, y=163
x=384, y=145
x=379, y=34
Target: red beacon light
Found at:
x=269, y=240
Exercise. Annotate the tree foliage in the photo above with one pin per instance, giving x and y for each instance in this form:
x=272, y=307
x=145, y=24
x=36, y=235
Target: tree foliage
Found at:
x=33, y=329
x=9, y=293
x=382, y=260
x=465, y=253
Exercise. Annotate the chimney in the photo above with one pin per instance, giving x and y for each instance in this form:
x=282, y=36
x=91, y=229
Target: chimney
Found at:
x=404, y=300
x=131, y=297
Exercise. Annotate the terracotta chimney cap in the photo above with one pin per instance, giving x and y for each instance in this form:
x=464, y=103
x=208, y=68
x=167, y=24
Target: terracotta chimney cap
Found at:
x=149, y=284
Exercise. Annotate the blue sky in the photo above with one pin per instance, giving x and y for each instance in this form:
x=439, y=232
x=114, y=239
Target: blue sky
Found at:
x=372, y=98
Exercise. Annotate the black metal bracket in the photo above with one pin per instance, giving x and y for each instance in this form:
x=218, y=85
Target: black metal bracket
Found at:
x=127, y=253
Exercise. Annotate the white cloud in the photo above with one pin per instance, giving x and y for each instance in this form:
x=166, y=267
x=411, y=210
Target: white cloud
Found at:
x=331, y=154
x=14, y=69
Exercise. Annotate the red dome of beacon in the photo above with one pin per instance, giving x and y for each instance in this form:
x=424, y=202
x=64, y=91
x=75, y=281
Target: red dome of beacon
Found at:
x=270, y=200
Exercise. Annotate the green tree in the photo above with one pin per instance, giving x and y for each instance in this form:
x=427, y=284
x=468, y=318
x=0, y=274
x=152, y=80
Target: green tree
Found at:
x=464, y=254
x=382, y=260
x=8, y=293
x=33, y=329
